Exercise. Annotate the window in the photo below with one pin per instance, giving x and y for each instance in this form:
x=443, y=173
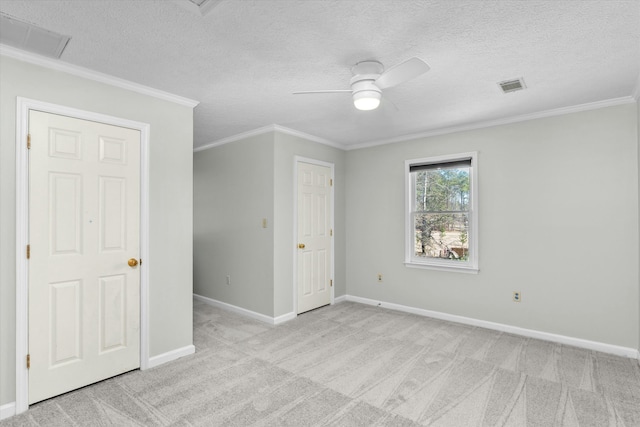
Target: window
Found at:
x=441, y=229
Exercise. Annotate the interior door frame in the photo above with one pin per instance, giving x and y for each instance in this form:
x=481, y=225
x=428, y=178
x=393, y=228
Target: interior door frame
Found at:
x=23, y=106
x=331, y=166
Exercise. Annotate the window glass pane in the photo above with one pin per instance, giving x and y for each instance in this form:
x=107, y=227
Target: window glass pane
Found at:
x=442, y=236
x=438, y=190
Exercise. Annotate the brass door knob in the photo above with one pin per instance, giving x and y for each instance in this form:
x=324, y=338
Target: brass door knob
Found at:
x=301, y=245
x=133, y=262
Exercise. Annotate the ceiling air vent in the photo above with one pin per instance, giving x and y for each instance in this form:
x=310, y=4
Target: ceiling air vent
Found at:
x=509, y=86
x=25, y=36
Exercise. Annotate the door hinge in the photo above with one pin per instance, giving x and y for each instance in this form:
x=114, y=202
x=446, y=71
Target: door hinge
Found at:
x=140, y=261
x=28, y=141
x=28, y=361
x=331, y=232
x=330, y=182
x=28, y=251
x=330, y=282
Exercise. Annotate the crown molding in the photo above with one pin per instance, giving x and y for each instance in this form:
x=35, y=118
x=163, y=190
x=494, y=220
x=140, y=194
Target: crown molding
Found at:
x=309, y=137
x=203, y=10
x=86, y=73
x=267, y=129
x=434, y=132
x=490, y=123
x=636, y=90
x=236, y=137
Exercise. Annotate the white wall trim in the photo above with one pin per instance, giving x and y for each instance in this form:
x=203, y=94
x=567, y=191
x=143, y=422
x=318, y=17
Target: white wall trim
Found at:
x=341, y=298
x=243, y=311
x=7, y=410
x=23, y=105
x=171, y=355
x=636, y=89
x=491, y=123
x=237, y=137
x=203, y=10
x=308, y=137
x=470, y=266
x=433, y=132
x=294, y=243
x=284, y=318
x=267, y=129
x=58, y=65
x=531, y=333
x=145, y=251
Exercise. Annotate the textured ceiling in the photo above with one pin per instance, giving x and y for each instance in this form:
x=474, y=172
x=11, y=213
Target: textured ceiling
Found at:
x=244, y=58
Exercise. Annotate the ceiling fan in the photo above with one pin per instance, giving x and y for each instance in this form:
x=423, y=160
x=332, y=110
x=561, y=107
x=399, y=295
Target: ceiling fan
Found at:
x=370, y=78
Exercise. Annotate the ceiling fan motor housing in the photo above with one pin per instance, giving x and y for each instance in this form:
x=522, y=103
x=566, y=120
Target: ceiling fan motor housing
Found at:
x=366, y=95
x=364, y=82
x=367, y=67
x=370, y=78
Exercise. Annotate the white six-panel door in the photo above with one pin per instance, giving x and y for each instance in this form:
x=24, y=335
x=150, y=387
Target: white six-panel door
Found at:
x=84, y=297
x=314, y=236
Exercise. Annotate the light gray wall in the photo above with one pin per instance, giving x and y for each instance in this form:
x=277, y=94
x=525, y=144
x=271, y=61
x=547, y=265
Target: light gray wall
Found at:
x=558, y=222
x=286, y=148
x=233, y=192
x=171, y=199
x=235, y=186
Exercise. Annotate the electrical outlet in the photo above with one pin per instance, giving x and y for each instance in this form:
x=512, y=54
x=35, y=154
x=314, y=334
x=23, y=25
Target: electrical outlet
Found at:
x=264, y=222
x=228, y=280
x=379, y=277
x=517, y=296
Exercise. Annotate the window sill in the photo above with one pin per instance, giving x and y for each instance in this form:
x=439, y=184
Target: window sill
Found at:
x=456, y=269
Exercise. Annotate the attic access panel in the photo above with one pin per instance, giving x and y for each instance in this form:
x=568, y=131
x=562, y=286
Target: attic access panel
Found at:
x=26, y=36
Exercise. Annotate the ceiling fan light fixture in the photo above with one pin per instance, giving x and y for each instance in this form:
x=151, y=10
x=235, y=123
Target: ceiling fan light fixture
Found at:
x=370, y=78
x=366, y=100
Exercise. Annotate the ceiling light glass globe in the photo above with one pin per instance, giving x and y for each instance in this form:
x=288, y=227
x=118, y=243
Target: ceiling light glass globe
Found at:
x=366, y=100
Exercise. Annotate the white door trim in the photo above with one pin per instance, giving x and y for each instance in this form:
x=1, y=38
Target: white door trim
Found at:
x=23, y=106
x=296, y=160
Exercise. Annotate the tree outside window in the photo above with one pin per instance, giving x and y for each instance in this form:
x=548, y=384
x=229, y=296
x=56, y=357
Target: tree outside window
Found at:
x=440, y=212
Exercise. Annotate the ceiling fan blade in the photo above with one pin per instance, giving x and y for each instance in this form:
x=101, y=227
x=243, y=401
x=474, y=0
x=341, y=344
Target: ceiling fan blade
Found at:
x=391, y=103
x=402, y=72
x=323, y=91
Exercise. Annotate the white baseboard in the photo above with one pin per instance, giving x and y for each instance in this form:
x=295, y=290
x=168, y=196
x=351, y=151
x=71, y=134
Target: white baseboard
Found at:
x=561, y=339
x=284, y=318
x=170, y=355
x=243, y=311
x=341, y=298
x=7, y=410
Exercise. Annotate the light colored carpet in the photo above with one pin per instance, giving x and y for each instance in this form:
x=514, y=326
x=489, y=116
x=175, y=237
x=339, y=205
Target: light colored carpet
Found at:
x=356, y=365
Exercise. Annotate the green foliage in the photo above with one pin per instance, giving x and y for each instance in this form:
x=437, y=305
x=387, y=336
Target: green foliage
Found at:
x=442, y=190
x=442, y=199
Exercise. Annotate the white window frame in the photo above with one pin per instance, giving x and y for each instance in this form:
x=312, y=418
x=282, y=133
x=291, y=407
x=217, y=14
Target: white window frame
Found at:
x=470, y=266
